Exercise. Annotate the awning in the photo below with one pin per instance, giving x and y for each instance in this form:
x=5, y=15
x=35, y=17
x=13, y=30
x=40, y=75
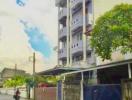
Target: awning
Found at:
x=69, y=70
x=58, y=71
x=113, y=64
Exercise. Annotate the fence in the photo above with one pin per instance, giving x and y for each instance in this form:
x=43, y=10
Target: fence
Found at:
x=71, y=90
x=127, y=89
x=10, y=91
x=59, y=92
x=102, y=92
x=45, y=93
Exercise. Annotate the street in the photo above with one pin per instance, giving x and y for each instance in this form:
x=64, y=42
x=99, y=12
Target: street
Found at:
x=7, y=97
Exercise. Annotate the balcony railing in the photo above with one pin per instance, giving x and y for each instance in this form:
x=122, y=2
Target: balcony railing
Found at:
x=75, y=2
x=60, y=2
x=63, y=13
x=62, y=53
x=63, y=33
x=77, y=22
x=88, y=45
x=91, y=60
x=77, y=63
x=77, y=47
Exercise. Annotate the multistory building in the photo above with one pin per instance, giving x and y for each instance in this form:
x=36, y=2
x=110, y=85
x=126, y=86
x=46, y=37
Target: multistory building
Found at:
x=75, y=19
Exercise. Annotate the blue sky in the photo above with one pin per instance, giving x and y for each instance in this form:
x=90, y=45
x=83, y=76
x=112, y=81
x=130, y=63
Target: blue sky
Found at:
x=21, y=2
x=37, y=39
x=19, y=41
x=28, y=26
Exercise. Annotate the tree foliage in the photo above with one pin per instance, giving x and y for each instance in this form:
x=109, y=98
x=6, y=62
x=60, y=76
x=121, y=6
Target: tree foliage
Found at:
x=113, y=31
x=47, y=79
x=15, y=81
x=20, y=80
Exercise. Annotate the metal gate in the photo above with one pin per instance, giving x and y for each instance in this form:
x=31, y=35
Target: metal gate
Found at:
x=102, y=92
x=71, y=91
x=127, y=89
x=72, y=87
x=59, y=90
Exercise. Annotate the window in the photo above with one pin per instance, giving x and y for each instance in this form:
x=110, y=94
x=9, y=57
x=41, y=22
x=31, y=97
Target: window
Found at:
x=89, y=54
x=79, y=36
x=64, y=43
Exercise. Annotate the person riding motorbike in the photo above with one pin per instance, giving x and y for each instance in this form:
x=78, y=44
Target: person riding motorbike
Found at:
x=17, y=95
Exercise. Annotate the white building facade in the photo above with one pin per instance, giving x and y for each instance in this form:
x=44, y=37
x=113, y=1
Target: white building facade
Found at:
x=75, y=19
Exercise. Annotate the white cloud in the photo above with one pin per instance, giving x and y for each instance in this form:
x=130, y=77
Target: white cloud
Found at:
x=14, y=44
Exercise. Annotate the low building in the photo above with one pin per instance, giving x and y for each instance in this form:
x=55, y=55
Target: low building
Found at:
x=1, y=81
x=8, y=73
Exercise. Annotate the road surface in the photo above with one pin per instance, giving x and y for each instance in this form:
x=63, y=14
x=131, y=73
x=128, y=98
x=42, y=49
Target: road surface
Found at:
x=7, y=97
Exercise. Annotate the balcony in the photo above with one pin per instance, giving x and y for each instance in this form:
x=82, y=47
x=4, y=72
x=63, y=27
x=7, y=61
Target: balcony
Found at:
x=77, y=47
x=62, y=53
x=63, y=13
x=75, y=3
x=77, y=64
x=89, y=49
x=91, y=60
x=63, y=33
x=60, y=3
x=77, y=22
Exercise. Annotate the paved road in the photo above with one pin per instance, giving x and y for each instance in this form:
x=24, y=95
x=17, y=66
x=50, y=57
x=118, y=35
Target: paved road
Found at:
x=7, y=97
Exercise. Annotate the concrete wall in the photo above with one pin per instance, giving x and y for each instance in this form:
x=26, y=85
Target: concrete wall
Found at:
x=10, y=91
x=46, y=93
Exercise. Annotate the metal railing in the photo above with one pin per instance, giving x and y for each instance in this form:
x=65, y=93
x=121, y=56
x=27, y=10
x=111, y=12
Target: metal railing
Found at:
x=127, y=89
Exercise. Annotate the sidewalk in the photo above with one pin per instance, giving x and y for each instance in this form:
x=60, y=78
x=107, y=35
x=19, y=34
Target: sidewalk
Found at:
x=8, y=97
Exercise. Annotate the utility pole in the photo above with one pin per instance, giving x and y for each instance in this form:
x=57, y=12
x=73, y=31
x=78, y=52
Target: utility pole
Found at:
x=15, y=69
x=34, y=61
x=15, y=73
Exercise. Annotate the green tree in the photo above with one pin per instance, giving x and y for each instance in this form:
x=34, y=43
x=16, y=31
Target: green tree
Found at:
x=20, y=80
x=17, y=80
x=47, y=79
x=113, y=31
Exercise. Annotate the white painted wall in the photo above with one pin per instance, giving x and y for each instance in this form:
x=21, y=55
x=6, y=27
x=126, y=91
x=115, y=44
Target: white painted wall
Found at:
x=10, y=91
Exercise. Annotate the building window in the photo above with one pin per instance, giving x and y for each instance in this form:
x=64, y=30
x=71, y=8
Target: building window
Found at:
x=89, y=55
x=64, y=44
x=79, y=37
